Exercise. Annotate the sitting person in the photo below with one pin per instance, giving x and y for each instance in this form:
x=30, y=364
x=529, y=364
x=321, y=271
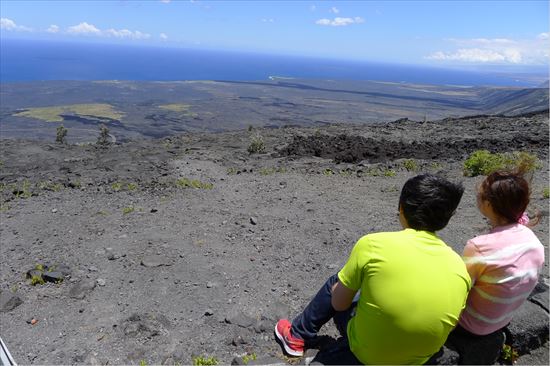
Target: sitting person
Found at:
x=504, y=267
x=411, y=286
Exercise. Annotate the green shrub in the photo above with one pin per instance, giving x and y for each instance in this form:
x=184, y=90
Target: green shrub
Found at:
x=389, y=173
x=37, y=280
x=116, y=186
x=193, y=183
x=131, y=186
x=249, y=357
x=546, y=193
x=231, y=171
x=127, y=210
x=103, y=138
x=328, y=171
x=482, y=162
x=204, y=361
x=257, y=145
x=411, y=165
x=509, y=354
x=61, y=135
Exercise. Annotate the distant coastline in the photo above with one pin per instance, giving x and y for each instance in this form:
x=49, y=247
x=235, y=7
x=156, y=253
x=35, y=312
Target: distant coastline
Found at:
x=24, y=61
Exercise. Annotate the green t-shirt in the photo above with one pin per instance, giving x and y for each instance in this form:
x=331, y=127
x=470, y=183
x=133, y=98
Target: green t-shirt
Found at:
x=413, y=288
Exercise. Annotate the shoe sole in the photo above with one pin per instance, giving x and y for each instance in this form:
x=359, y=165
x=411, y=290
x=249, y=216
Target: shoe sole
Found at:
x=288, y=350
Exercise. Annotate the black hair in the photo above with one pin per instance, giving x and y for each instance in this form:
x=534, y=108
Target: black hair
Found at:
x=429, y=201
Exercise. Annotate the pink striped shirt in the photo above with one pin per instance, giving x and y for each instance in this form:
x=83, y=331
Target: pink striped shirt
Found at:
x=504, y=266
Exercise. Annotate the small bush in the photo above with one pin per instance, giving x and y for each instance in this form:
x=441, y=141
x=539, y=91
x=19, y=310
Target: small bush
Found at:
x=116, y=186
x=127, y=210
x=37, y=280
x=131, y=186
x=204, y=361
x=249, y=357
x=61, y=135
x=509, y=354
x=103, y=138
x=389, y=173
x=257, y=145
x=231, y=171
x=482, y=162
x=328, y=171
x=411, y=165
x=193, y=183
x=546, y=193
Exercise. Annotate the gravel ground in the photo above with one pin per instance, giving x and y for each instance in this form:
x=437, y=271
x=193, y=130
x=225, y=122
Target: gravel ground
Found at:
x=160, y=273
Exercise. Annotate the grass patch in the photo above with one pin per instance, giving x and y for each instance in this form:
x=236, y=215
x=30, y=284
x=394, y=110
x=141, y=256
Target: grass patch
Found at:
x=411, y=165
x=483, y=162
x=204, y=361
x=249, y=357
x=546, y=193
x=271, y=171
x=193, y=183
x=257, y=145
x=53, y=114
x=179, y=108
x=128, y=210
x=388, y=173
x=328, y=172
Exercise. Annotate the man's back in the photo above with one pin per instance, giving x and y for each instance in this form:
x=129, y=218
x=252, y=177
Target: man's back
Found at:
x=413, y=288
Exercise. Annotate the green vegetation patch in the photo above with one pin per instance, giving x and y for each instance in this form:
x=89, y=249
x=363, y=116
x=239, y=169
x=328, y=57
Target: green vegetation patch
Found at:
x=193, y=183
x=179, y=108
x=204, y=361
x=483, y=162
x=53, y=114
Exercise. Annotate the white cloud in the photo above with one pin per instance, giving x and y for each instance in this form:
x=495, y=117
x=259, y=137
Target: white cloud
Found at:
x=340, y=22
x=126, y=34
x=268, y=20
x=165, y=1
x=84, y=28
x=543, y=36
x=334, y=10
x=53, y=29
x=9, y=25
x=496, y=50
x=163, y=36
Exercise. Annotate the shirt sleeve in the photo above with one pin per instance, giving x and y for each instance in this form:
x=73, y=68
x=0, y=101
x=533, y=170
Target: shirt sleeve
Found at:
x=473, y=260
x=351, y=275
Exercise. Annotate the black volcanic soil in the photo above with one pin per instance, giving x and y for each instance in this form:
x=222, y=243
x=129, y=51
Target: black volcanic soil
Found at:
x=175, y=272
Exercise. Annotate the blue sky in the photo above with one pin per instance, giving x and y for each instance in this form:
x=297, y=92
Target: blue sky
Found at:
x=446, y=33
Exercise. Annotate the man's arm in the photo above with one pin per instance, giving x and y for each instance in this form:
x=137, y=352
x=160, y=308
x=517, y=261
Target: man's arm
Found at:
x=342, y=297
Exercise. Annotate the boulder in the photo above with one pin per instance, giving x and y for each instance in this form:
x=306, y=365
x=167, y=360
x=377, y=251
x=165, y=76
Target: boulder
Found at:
x=81, y=289
x=9, y=301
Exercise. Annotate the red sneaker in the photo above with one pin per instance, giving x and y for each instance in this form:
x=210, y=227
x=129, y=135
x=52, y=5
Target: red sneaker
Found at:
x=292, y=345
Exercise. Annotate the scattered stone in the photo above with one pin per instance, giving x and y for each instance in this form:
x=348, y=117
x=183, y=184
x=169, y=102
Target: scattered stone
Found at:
x=154, y=261
x=82, y=288
x=92, y=269
x=9, y=301
x=263, y=325
x=540, y=296
x=208, y=312
x=111, y=255
x=64, y=269
x=54, y=210
x=210, y=284
x=238, y=340
x=253, y=221
x=528, y=329
x=153, y=210
x=240, y=319
x=145, y=325
x=34, y=273
x=34, y=321
x=100, y=282
x=54, y=277
x=237, y=361
x=267, y=360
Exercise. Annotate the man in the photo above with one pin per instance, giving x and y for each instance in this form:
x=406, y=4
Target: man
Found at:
x=409, y=287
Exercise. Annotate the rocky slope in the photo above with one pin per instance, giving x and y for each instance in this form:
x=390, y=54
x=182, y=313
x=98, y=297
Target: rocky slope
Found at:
x=191, y=247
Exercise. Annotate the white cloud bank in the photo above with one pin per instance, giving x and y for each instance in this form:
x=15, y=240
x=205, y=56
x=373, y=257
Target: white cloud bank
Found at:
x=334, y=10
x=9, y=25
x=496, y=51
x=339, y=22
x=91, y=30
x=53, y=29
x=163, y=36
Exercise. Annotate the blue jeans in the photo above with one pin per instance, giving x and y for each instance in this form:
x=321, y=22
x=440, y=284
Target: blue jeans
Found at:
x=319, y=311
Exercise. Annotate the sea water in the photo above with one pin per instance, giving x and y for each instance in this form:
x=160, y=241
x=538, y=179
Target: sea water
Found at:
x=25, y=60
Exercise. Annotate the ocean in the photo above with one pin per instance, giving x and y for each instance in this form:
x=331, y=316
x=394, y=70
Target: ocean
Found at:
x=24, y=60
